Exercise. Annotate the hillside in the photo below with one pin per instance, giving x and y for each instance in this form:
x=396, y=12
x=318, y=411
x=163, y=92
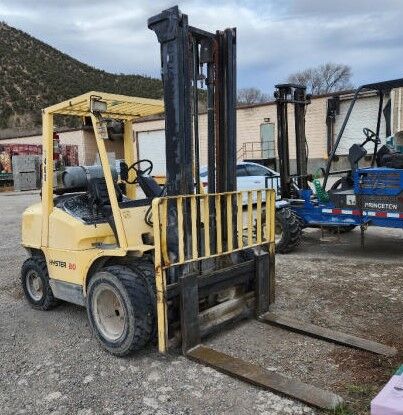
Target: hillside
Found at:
x=34, y=75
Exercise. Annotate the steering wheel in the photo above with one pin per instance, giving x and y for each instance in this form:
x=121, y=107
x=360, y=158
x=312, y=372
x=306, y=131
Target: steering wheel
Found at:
x=140, y=172
x=370, y=136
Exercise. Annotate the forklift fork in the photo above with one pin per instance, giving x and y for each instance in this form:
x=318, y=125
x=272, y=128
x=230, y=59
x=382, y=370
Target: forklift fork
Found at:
x=193, y=348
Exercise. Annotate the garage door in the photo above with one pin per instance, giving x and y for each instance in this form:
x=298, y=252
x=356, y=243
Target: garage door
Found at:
x=151, y=146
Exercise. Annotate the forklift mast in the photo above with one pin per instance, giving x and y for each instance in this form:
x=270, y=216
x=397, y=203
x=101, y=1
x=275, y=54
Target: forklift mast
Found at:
x=190, y=56
x=296, y=95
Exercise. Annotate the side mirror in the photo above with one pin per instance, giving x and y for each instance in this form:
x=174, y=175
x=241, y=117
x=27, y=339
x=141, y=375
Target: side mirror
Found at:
x=124, y=171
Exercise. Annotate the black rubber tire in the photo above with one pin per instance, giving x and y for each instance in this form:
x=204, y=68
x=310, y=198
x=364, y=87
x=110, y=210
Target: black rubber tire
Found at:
x=291, y=230
x=135, y=297
x=145, y=269
x=38, y=264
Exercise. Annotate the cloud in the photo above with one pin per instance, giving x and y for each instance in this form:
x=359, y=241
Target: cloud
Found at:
x=335, y=9
x=275, y=38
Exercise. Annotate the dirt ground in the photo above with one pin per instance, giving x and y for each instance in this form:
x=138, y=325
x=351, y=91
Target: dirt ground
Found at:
x=50, y=363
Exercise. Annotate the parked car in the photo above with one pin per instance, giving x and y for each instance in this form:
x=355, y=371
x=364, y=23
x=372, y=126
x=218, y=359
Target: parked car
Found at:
x=250, y=176
x=253, y=176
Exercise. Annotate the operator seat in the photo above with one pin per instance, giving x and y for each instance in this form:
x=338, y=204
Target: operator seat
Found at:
x=386, y=157
x=355, y=154
x=98, y=193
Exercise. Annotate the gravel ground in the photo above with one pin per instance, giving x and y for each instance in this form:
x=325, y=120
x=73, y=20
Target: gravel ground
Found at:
x=50, y=363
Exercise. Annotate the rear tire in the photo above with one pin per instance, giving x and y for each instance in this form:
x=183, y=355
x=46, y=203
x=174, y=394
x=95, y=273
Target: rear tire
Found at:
x=35, y=284
x=288, y=231
x=119, y=308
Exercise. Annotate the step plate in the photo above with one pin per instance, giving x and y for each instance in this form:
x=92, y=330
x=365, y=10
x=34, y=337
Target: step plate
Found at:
x=263, y=378
x=327, y=334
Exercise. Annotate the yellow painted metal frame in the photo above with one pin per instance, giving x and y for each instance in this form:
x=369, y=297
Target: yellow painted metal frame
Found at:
x=119, y=107
x=249, y=234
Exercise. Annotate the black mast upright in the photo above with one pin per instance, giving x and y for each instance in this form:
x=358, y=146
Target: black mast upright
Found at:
x=171, y=28
x=282, y=139
x=300, y=103
x=185, y=52
x=226, y=110
x=296, y=95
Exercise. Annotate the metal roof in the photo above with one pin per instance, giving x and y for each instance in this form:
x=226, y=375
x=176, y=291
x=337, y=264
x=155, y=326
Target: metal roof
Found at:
x=118, y=106
x=384, y=86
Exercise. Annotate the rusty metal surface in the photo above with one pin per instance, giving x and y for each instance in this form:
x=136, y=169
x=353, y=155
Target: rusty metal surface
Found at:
x=189, y=310
x=328, y=334
x=263, y=378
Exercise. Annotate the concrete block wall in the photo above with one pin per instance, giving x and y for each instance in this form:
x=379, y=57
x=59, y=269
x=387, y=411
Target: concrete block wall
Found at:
x=315, y=129
x=26, y=172
x=249, y=120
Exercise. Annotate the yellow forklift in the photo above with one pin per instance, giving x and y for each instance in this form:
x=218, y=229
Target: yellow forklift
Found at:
x=176, y=264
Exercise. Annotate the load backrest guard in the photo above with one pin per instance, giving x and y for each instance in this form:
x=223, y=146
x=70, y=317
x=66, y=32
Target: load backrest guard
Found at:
x=199, y=277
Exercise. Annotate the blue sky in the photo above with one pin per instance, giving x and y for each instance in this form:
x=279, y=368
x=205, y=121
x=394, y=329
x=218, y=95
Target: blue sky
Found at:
x=275, y=38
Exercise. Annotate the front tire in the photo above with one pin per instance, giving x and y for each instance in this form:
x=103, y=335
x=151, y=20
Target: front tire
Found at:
x=287, y=231
x=35, y=284
x=119, y=308
x=146, y=270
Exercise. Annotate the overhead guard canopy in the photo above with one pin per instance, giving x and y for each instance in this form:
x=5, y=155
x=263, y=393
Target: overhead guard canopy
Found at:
x=118, y=106
x=384, y=85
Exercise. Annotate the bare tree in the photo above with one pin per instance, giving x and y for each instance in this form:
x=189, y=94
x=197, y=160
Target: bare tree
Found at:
x=248, y=96
x=329, y=77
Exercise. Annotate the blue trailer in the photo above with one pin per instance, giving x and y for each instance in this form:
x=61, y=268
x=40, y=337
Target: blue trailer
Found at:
x=375, y=199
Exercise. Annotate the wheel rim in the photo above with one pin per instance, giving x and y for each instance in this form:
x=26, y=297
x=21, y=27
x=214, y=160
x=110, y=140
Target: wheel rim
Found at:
x=34, y=285
x=109, y=312
x=278, y=232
